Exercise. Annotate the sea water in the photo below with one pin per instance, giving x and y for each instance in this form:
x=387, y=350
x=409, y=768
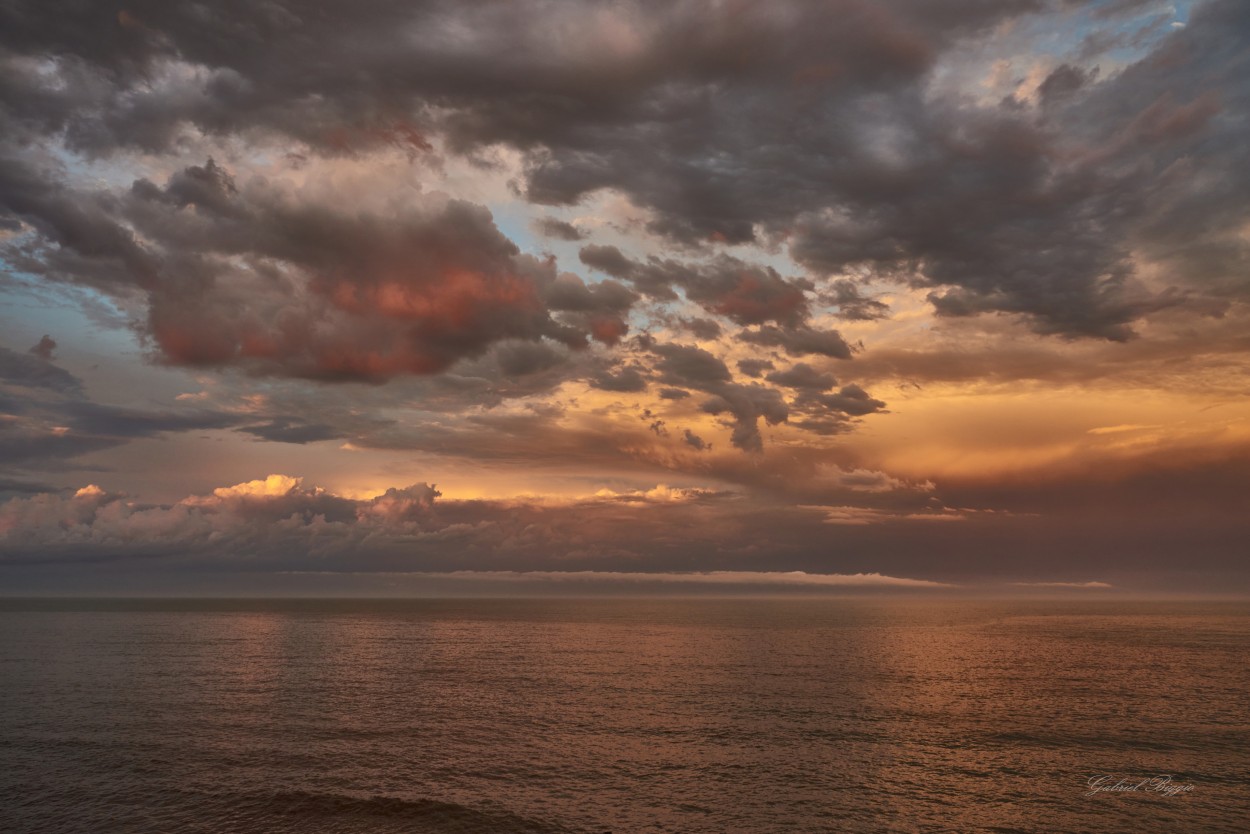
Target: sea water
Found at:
x=623, y=715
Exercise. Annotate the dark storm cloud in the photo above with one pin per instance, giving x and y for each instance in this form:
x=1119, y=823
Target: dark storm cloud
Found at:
x=803, y=123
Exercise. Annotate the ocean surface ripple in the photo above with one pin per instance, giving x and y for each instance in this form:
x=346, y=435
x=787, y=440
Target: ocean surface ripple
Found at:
x=623, y=716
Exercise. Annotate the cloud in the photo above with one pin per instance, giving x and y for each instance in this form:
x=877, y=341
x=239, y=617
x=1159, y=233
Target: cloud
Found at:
x=949, y=195
x=34, y=371
x=851, y=304
x=700, y=328
x=692, y=367
x=1089, y=585
x=293, y=430
x=745, y=578
x=859, y=516
x=694, y=441
x=260, y=530
x=755, y=367
x=627, y=380
x=275, y=486
x=723, y=285
x=48, y=418
x=1035, y=211
x=689, y=365
x=803, y=341
x=253, y=276
x=45, y=348
x=803, y=376
x=559, y=229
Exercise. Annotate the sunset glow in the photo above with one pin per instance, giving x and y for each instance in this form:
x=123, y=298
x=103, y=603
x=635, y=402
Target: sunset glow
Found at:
x=296, y=302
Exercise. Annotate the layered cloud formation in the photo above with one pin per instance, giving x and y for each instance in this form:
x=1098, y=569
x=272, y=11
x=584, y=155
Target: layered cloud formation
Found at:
x=858, y=265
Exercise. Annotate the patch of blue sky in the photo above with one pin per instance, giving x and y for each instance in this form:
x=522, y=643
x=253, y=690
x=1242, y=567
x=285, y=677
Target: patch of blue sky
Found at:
x=81, y=320
x=1092, y=34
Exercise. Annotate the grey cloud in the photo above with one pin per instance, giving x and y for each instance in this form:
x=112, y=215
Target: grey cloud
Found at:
x=30, y=369
x=1063, y=81
x=293, y=430
x=45, y=348
x=1116, y=8
x=11, y=488
x=243, y=275
x=568, y=292
x=803, y=341
x=700, y=328
x=851, y=399
x=742, y=292
x=627, y=380
x=747, y=404
x=119, y=422
x=692, y=367
x=728, y=123
x=50, y=419
x=755, y=367
x=559, y=229
x=259, y=538
x=526, y=358
x=689, y=365
x=33, y=446
x=693, y=440
x=851, y=304
x=802, y=375
x=607, y=259
x=831, y=413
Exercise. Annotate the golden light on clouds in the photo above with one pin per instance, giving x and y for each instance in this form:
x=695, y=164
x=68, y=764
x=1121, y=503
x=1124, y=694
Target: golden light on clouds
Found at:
x=897, y=296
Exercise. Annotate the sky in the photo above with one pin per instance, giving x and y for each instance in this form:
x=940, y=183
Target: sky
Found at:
x=376, y=297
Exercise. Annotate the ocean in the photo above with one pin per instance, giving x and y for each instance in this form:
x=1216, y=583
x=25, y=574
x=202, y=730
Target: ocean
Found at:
x=623, y=715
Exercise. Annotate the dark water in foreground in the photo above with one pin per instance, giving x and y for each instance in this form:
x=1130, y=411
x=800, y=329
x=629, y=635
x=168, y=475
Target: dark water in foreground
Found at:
x=622, y=715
